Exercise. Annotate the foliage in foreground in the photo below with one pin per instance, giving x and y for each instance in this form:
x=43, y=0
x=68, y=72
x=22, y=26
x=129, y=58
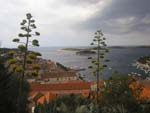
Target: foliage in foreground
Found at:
x=9, y=85
x=118, y=96
x=28, y=27
x=65, y=104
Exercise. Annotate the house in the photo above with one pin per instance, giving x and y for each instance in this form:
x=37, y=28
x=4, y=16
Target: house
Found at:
x=41, y=92
x=78, y=87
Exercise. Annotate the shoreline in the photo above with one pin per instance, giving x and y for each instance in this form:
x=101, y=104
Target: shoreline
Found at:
x=111, y=47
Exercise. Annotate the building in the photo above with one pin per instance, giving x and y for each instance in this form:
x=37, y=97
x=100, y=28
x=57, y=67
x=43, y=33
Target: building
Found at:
x=78, y=87
x=41, y=92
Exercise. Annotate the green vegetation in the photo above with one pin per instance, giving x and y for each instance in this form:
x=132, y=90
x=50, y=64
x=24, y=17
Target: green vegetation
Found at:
x=65, y=104
x=9, y=85
x=28, y=26
x=85, y=52
x=117, y=96
x=72, y=49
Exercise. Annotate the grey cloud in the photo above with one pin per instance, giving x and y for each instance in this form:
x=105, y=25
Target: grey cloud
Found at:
x=125, y=8
x=81, y=2
x=121, y=10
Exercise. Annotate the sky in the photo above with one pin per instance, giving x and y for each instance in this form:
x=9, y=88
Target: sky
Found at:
x=74, y=22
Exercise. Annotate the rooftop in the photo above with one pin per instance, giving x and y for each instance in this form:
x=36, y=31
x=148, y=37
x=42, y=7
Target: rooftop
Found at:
x=61, y=86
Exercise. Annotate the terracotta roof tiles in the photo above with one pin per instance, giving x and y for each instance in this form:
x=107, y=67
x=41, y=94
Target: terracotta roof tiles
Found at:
x=64, y=86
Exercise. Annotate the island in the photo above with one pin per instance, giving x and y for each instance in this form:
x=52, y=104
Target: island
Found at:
x=85, y=52
x=72, y=49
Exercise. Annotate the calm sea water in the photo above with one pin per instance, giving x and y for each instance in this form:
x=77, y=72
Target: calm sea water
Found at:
x=121, y=60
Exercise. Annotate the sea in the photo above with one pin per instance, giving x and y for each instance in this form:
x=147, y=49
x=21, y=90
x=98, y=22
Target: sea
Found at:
x=121, y=60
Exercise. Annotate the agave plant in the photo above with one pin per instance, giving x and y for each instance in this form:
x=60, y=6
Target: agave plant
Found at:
x=99, y=63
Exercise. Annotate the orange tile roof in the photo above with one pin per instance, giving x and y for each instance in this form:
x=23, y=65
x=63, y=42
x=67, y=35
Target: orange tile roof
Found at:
x=37, y=96
x=47, y=96
x=145, y=93
x=63, y=86
x=72, y=81
x=75, y=86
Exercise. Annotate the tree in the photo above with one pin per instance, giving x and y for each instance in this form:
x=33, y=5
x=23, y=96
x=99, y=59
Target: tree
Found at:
x=4, y=86
x=99, y=63
x=65, y=104
x=9, y=85
x=14, y=94
x=119, y=95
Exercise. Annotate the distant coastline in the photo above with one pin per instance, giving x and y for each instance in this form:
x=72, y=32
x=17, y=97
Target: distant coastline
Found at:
x=80, y=51
x=76, y=48
x=128, y=47
x=111, y=47
x=71, y=49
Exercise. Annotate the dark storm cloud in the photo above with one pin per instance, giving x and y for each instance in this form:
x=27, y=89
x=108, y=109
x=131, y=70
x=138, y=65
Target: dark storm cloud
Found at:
x=123, y=8
x=121, y=16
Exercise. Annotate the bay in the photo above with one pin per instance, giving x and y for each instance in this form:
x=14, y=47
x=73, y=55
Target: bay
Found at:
x=121, y=60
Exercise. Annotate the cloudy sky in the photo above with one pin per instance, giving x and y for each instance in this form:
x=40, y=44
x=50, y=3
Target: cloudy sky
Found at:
x=73, y=22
